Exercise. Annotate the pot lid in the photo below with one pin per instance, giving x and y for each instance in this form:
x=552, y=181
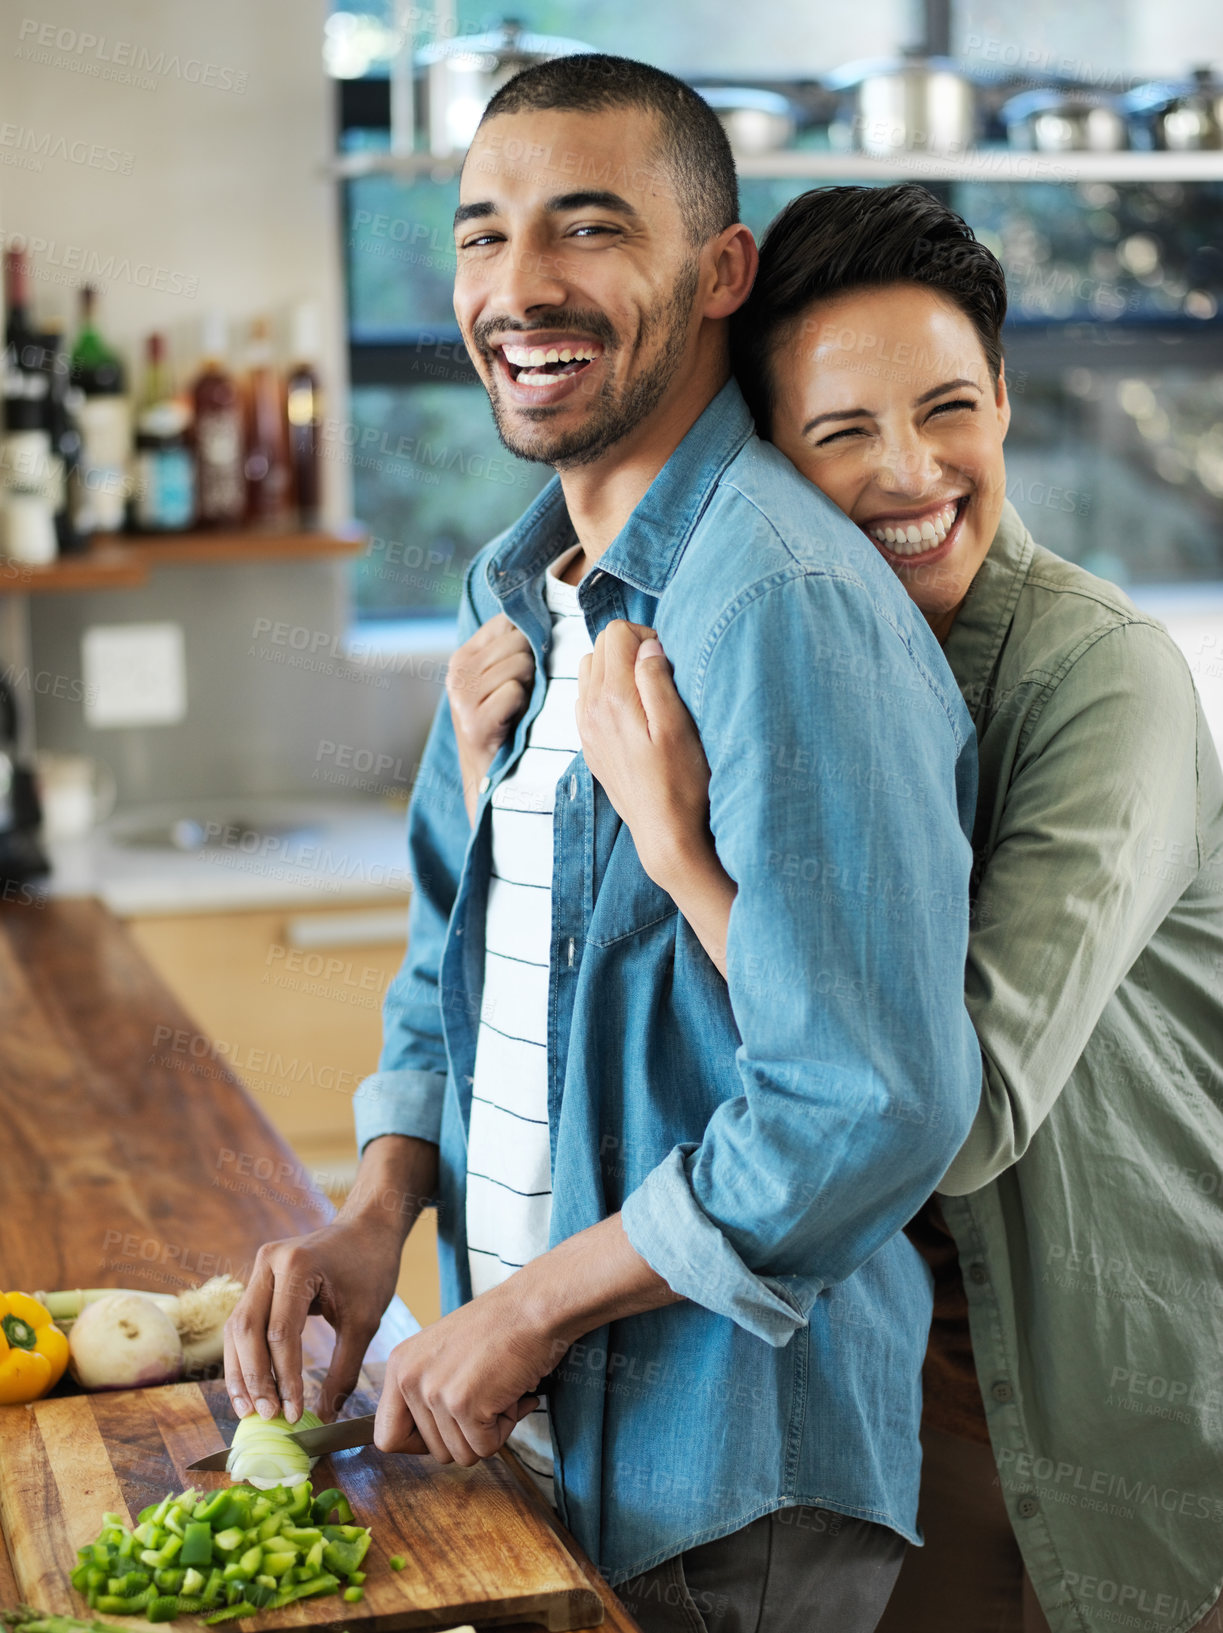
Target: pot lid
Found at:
x=1066, y=103
x=1159, y=94
x=729, y=98
x=851, y=74
x=508, y=41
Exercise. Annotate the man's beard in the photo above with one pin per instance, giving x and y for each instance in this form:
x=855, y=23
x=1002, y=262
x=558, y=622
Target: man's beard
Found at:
x=611, y=416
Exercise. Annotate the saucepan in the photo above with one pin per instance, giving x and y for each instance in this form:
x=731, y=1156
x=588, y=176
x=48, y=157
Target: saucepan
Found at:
x=1181, y=116
x=755, y=121
x=1065, y=122
x=910, y=104
x=461, y=74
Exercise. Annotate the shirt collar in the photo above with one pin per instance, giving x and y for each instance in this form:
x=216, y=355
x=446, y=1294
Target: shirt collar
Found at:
x=648, y=548
x=982, y=623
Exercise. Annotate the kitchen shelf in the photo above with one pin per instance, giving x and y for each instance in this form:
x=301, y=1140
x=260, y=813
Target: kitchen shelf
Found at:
x=819, y=164
x=117, y=561
x=988, y=165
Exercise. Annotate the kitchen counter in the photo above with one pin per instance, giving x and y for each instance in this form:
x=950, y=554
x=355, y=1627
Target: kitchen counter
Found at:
x=135, y=1157
x=256, y=853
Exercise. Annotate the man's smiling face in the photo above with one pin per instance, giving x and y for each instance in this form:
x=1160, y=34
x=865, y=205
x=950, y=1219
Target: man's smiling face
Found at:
x=576, y=284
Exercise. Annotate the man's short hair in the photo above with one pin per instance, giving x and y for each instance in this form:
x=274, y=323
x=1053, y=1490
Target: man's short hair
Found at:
x=693, y=145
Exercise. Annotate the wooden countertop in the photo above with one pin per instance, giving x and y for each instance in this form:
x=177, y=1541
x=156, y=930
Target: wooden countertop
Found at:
x=122, y=561
x=135, y=1156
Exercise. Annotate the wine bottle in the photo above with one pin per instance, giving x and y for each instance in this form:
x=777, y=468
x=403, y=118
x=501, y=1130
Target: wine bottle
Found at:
x=27, y=471
x=267, y=471
x=304, y=412
x=64, y=438
x=105, y=419
x=20, y=340
x=156, y=386
x=220, y=479
x=164, y=497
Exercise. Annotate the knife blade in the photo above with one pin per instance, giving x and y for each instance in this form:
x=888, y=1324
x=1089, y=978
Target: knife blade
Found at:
x=330, y=1437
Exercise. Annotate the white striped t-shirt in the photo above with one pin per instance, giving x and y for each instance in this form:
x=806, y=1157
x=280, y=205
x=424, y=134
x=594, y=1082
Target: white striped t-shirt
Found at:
x=509, y=1168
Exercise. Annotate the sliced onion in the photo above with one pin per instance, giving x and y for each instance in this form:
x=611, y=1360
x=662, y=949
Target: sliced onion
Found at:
x=263, y=1455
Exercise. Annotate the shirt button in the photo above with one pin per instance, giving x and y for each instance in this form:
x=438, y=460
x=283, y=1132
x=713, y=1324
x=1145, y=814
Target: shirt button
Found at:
x=484, y=782
x=573, y=786
x=977, y=1273
x=1027, y=1508
x=1002, y=1391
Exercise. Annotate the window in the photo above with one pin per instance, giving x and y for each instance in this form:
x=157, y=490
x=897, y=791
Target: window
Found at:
x=431, y=480
x=1114, y=342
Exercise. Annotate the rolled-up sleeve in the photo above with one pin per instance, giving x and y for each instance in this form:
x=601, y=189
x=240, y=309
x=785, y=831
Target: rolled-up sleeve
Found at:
x=405, y=1094
x=842, y=786
x=1096, y=838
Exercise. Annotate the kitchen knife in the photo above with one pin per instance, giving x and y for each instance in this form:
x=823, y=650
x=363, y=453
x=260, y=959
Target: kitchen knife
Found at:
x=330, y=1437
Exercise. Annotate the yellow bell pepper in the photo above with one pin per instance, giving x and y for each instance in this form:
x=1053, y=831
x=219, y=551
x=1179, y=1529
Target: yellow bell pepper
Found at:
x=33, y=1352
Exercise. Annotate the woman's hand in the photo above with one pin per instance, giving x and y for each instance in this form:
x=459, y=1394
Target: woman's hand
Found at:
x=488, y=683
x=642, y=746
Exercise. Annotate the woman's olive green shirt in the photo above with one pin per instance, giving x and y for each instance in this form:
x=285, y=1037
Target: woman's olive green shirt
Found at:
x=1087, y=1202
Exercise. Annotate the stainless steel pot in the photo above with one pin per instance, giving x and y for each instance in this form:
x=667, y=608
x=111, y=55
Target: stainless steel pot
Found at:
x=914, y=104
x=1065, y=122
x=755, y=121
x=460, y=76
x=1181, y=116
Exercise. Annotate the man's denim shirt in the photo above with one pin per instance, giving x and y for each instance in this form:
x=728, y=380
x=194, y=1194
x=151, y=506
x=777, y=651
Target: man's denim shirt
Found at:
x=766, y=1137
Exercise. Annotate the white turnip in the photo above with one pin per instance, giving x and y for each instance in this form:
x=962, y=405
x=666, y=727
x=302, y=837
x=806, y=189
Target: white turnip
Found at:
x=124, y=1341
x=198, y=1313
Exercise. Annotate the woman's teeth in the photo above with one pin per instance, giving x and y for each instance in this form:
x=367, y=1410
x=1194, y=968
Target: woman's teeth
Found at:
x=533, y=361
x=915, y=538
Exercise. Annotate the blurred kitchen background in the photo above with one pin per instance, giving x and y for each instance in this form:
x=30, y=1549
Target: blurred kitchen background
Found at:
x=243, y=476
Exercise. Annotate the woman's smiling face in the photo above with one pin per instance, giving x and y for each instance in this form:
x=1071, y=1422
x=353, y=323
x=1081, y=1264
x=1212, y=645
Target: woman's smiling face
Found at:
x=883, y=399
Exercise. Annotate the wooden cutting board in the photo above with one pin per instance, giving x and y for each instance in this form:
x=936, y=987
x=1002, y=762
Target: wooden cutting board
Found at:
x=475, y=1549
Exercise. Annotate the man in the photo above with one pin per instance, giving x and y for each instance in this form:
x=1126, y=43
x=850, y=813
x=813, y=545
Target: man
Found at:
x=702, y=1204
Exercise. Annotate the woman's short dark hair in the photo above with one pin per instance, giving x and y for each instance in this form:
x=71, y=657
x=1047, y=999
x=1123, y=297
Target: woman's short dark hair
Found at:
x=837, y=239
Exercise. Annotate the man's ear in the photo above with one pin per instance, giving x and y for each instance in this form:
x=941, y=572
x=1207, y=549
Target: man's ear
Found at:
x=734, y=258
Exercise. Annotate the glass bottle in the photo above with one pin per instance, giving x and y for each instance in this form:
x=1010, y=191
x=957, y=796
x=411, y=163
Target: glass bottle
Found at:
x=304, y=412
x=220, y=480
x=105, y=420
x=164, y=490
x=266, y=468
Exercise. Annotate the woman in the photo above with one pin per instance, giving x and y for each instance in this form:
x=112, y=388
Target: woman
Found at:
x=1076, y=1242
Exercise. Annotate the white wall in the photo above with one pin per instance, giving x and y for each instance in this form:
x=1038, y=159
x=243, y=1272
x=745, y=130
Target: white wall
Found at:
x=172, y=151
x=1106, y=42
x=220, y=195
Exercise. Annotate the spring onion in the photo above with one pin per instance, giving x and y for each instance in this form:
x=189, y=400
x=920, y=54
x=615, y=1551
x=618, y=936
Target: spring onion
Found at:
x=26, y=1620
x=221, y=1554
x=264, y=1454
